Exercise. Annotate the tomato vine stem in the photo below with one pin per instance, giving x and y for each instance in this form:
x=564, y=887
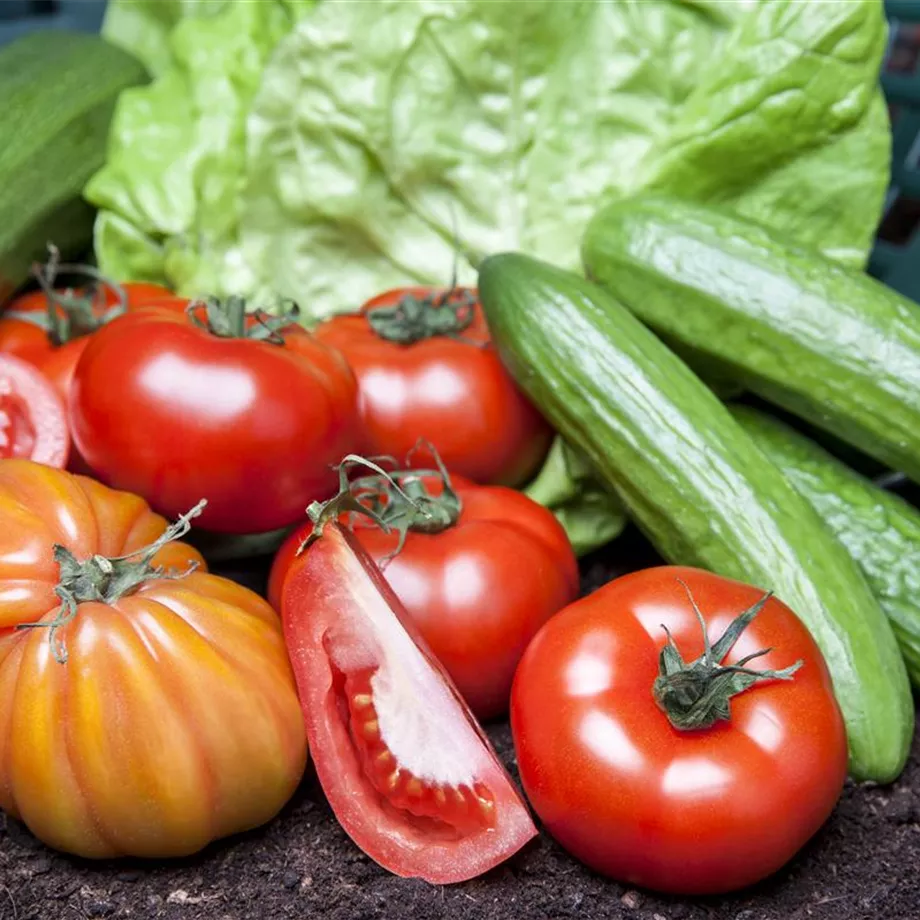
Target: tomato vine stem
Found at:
x=71, y=313
x=105, y=580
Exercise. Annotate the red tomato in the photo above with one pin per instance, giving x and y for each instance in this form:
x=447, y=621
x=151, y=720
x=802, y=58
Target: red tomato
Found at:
x=405, y=767
x=693, y=811
x=33, y=424
x=431, y=376
x=31, y=342
x=170, y=717
x=478, y=590
x=142, y=293
x=163, y=407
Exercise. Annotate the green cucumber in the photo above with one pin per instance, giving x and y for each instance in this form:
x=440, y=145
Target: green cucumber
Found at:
x=695, y=483
x=880, y=529
x=828, y=344
x=58, y=92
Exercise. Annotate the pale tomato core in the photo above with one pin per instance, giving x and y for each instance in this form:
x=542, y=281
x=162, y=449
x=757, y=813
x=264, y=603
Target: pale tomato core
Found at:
x=17, y=434
x=463, y=806
x=419, y=759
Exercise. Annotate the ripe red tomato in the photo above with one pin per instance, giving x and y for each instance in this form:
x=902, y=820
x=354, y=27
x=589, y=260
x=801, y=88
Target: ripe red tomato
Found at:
x=405, y=767
x=179, y=407
x=170, y=717
x=33, y=424
x=427, y=369
x=478, y=590
x=685, y=811
x=22, y=333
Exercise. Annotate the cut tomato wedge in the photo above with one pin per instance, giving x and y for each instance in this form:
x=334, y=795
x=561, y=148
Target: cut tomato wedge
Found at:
x=33, y=424
x=407, y=770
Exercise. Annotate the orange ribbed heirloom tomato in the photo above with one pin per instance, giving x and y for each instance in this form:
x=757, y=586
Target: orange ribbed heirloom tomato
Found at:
x=160, y=711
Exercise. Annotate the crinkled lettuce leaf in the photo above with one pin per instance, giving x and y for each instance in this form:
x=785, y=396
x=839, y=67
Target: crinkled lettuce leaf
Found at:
x=172, y=187
x=386, y=136
x=789, y=127
x=143, y=27
x=590, y=514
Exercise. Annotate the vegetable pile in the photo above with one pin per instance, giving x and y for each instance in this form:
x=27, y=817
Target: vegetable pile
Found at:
x=299, y=333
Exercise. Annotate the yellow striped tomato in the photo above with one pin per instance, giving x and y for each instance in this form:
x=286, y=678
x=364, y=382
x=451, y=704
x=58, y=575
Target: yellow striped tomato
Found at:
x=160, y=712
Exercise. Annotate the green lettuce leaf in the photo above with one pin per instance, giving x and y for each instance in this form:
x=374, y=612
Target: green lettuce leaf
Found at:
x=385, y=137
x=171, y=190
x=143, y=27
x=590, y=515
x=789, y=127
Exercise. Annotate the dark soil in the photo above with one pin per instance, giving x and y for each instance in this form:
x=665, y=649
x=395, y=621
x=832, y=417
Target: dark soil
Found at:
x=864, y=864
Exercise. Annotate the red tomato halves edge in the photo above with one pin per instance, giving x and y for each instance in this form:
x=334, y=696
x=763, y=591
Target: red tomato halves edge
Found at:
x=404, y=765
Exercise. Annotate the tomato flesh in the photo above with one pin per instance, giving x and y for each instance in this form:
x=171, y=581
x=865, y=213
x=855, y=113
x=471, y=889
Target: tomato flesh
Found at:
x=405, y=767
x=17, y=435
x=33, y=424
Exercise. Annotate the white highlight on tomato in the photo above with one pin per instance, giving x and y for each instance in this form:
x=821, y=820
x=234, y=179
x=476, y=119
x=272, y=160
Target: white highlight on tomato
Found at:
x=463, y=580
x=688, y=775
x=590, y=672
x=604, y=736
x=226, y=393
x=762, y=726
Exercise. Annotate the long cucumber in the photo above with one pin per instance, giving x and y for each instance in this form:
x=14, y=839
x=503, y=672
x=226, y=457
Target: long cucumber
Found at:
x=830, y=345
x=57, y=94
x=880, y=529
x=695, y=483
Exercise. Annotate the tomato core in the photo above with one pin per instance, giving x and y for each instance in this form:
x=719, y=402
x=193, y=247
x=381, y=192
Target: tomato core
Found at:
x=464, y=807
x=17, y=433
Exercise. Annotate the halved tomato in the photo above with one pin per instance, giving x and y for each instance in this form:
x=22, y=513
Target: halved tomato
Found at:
x=33, y=424
x=406, y=768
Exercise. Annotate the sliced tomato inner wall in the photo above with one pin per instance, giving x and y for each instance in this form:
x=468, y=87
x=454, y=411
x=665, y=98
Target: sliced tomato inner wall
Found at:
x=17, y=434
x=464, y=807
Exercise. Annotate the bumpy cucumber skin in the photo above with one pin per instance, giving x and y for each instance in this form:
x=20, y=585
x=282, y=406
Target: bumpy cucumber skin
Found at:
x=830, y=345
x=57, y=94
x=880, y=529
x=695, y=483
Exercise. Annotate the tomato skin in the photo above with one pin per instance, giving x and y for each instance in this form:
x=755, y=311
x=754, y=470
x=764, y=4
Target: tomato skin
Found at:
x=341, y=619
x=163, y=408
x=174, y=720
x=478, y=591
x=454, y=393
x=683, y=812
x=19, y=337
x=145, y=293
x=31, y=343
x=33, y=423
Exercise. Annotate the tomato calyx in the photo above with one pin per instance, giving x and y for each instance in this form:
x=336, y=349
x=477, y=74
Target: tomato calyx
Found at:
x=72, y=312
x=346, y=502
x=402, y=500
x=106, y=580
x=230, y=319
x=413, y=319
x=698, y=694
